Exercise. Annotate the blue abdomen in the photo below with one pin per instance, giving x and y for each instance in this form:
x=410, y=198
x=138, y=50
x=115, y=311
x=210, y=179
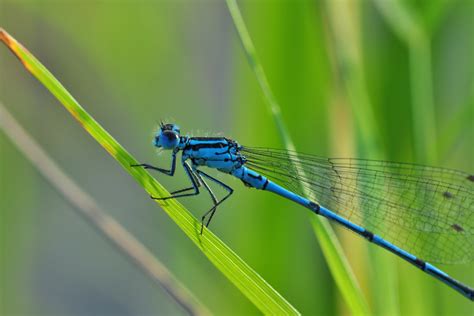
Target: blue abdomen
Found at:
x=250, y=178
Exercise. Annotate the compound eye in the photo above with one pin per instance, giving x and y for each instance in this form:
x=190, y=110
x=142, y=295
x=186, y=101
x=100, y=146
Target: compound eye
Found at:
x=171, y=136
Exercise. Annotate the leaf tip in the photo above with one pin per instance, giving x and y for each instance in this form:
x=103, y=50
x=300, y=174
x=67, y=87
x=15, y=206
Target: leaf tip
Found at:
x=6, y=38
x=3, y=34
x=16, y=48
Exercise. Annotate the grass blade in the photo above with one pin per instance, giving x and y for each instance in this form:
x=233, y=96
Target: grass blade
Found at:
x=402, y=22
x=88, y=208
x=254, y=287
x=345, y=41
x=458, y=124
x=332, y=250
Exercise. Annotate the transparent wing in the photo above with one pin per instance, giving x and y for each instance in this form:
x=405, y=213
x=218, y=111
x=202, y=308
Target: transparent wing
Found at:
x=428, y=211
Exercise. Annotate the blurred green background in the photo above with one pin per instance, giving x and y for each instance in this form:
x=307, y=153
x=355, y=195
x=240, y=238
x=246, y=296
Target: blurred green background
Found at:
x=374, y=79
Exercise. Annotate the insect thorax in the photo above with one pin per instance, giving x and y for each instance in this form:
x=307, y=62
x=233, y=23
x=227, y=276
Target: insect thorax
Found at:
x=214, y=152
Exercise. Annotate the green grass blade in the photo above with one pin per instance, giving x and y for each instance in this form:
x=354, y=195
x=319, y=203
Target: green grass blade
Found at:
x=345, y=39
x=254, y=287
x=403, y=22
x=407, y=28
x=458, y=124
x=332, y=250
x=104, y=224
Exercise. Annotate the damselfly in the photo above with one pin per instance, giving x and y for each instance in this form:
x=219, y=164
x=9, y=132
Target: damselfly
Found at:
x=404, y=208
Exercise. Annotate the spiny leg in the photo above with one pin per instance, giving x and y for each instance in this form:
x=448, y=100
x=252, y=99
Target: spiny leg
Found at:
x=198, y=182
x=182, y=190
x=213, y=197
x=212, y=211
x=169, y=172
x=194, y=182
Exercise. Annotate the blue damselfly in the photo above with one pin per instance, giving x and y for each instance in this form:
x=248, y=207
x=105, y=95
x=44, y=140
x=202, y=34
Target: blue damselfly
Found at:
x=413, y=211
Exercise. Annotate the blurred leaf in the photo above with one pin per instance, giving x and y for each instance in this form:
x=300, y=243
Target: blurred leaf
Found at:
x=234, y=268
x=344, y=37
x=458, y=124
x=404, y=23
x=429, y=13
x=434, y=14
x=106, y=225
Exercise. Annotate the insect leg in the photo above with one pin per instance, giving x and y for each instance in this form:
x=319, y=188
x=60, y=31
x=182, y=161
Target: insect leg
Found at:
x=169, y=172
x=212, y=211
x=194, y=182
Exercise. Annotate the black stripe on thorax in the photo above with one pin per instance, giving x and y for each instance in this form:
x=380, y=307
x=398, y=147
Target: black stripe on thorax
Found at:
x=208, y=139
x=197, y=147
